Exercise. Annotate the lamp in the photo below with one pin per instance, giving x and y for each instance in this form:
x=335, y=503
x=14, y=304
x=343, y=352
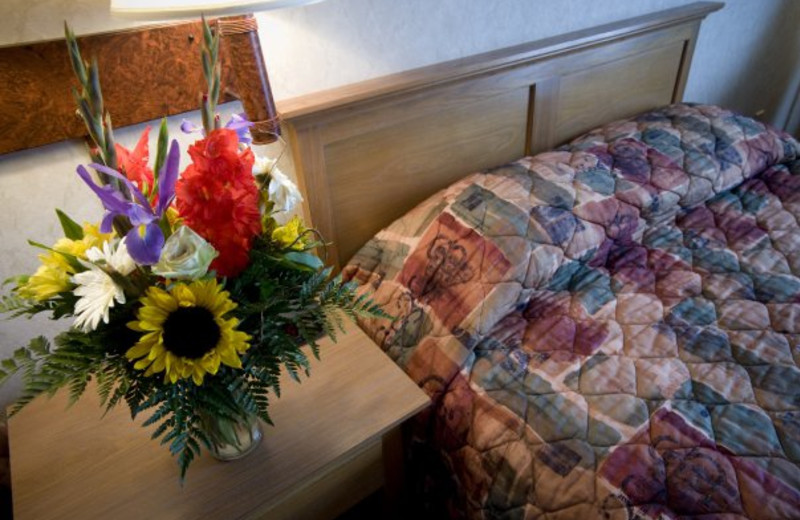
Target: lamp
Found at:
x=160, y=9
x=250, y=72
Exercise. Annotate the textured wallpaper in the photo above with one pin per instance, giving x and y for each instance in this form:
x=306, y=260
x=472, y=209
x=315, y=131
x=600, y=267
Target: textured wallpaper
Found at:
x=746, y=58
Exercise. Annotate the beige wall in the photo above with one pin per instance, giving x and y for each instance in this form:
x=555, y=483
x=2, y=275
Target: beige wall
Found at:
x=746, y=58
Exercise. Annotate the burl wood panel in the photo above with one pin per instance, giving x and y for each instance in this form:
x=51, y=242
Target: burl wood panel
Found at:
x=145, y=73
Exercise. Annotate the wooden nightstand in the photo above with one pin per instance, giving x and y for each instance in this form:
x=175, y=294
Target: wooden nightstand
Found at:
x=335, y=441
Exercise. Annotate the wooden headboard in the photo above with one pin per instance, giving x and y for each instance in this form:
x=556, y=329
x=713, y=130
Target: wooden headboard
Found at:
x=367, y=153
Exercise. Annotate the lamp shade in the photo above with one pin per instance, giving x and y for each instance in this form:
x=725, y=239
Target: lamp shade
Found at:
x=161, y=9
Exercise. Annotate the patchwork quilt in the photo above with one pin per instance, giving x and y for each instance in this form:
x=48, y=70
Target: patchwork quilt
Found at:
x=612, y=329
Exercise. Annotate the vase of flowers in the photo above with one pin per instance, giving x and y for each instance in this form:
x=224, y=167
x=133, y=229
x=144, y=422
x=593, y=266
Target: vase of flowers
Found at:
x=232, y=438
x=192, y=292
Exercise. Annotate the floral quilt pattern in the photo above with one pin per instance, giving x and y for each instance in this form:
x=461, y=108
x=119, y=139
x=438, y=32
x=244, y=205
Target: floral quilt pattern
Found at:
x=612, y=329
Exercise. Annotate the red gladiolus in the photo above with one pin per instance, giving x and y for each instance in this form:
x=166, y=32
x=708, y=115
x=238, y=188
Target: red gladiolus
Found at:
x=218, y=198
x=133, y=164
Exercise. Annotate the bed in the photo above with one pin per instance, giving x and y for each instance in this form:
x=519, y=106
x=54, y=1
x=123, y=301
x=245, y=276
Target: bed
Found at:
x=609, y=328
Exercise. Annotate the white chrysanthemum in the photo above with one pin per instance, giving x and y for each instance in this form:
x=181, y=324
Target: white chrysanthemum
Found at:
x=96, y=289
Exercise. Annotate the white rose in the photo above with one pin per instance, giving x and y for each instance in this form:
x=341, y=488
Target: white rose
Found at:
x=283, y=194
x=262, y=165
x=185, y=255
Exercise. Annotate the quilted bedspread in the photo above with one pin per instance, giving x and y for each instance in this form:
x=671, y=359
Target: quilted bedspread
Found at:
x=612, y=329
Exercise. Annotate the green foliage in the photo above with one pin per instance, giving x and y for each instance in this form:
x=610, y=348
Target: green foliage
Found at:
x=45, y=370
x=161, y=152
x=90, y=105
x=13, y=304
x=305, y=259
x=72, y=229
x=97, y=120
x=71, y=259
x=212, y=74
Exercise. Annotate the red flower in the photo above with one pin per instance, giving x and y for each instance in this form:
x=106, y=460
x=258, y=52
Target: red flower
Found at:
x=218, y=198
x=133, y=164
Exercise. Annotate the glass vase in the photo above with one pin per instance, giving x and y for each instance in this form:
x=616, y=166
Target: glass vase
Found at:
x=232, y=439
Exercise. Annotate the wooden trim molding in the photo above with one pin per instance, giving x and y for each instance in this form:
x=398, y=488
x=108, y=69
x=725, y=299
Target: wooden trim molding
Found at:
x=146, y=73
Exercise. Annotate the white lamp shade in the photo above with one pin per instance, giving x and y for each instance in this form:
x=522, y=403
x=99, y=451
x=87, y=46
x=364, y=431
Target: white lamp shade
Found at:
x=161, y=9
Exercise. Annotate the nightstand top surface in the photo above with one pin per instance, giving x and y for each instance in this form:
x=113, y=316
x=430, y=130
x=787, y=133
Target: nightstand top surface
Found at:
x=68, y=463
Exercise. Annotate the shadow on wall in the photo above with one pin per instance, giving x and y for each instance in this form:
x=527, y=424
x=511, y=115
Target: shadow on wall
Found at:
x=793, y=119
x=770, y=75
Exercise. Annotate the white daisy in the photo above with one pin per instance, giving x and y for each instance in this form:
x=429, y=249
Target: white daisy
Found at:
x=96, y=288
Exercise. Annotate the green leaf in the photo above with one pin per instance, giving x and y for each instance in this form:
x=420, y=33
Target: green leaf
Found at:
x=215, y=49
x=75, y=55
x=206, y=114
x=22, y=354
x=95, y=94
x=39, y=345
x=93, y=125
x=305, y=259
x=72, y=230
x=73, y=260
x=214, y=94
x=206, y=66
x=16, y=280
x=208, y=38
x=161, y=154
x=110, y=149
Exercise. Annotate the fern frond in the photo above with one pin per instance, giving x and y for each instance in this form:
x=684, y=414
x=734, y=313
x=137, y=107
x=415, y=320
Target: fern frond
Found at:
x=13, y=304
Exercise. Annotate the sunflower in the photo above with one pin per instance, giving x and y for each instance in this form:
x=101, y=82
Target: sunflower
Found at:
x=185, y=332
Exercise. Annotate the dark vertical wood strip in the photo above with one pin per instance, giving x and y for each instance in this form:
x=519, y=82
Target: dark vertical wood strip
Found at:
x=545, y=114
x=250, y=82
x=531, y=119
x=686, y=62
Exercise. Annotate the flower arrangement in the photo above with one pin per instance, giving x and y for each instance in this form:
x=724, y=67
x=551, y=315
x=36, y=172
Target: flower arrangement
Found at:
x=194, y=289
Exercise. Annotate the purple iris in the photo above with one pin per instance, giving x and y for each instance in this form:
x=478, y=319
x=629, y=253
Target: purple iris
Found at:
x=144, y=248
x=241, y=126
x=237, y=123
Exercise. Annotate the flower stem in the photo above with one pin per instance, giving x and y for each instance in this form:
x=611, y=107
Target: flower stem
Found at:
x=211, y=72
x=97, y=120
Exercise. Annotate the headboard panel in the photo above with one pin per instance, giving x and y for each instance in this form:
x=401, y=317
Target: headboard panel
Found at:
x=367, y=153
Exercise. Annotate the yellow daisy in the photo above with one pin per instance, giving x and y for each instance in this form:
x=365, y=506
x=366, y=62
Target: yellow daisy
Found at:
x=185, y=332
x=290, y=234
x=53, y=276
x=44, y=284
